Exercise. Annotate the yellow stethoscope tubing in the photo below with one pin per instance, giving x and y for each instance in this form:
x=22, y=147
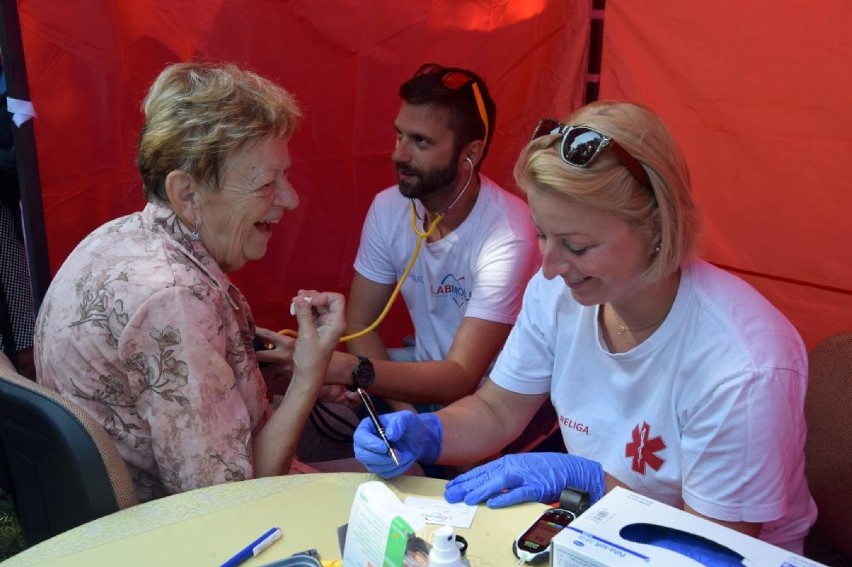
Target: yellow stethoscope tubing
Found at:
x=421, y=236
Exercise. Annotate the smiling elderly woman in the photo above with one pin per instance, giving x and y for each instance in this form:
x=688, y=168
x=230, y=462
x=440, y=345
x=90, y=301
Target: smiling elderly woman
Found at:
x=141, y=326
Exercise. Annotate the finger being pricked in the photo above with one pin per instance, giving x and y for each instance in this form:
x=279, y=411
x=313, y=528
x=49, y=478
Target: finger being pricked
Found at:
x=323, y=301
x=305, y=310
x=303, y=295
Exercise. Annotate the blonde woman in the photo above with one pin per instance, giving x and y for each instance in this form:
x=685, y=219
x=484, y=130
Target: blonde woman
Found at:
x=670, y=376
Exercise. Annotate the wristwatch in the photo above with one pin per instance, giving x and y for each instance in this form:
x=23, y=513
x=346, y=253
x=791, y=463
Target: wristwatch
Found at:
x=364, y=375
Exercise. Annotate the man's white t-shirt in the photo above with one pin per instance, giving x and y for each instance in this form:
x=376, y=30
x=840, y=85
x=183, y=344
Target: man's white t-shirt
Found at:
x=479, y=270
x=707, y=411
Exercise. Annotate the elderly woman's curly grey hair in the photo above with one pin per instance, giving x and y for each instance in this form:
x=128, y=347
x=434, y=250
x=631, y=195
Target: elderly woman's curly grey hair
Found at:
x=198, y=113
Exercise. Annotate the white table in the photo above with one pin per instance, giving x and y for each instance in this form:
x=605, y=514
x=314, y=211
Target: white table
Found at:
x=207, y=526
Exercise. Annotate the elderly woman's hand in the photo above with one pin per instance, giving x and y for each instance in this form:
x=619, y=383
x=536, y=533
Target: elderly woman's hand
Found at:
x=277, y=352
x=336, y=394
x=321, y=324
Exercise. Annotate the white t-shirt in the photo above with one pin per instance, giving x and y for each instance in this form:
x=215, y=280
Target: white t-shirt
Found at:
x=709, y=410
x=479, y=270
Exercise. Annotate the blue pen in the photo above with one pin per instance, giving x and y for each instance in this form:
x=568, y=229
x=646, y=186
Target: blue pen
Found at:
x=255, y=548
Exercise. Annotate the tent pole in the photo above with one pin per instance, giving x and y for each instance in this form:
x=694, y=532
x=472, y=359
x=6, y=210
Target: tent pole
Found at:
x=29, y=187
x=593, y=74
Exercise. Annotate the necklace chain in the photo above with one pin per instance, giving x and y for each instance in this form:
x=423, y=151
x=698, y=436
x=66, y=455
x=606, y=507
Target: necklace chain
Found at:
x=621, y=329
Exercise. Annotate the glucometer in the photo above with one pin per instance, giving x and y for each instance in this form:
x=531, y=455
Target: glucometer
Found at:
x=533, y=545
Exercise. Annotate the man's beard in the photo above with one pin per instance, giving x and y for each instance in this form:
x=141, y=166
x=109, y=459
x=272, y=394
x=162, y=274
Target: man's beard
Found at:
x=428, y=183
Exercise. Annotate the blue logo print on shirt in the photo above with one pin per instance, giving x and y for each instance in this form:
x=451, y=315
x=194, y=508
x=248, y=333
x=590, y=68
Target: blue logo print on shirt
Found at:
x=452, y=288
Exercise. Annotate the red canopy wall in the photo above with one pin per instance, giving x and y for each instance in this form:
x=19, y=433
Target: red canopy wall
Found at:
x=756, y=92
x=89, y=66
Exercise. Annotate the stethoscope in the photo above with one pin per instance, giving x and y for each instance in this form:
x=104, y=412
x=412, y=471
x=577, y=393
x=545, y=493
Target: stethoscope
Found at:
x=421, y=236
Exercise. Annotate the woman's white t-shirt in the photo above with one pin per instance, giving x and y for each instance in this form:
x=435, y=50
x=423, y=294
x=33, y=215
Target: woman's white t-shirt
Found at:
x=707, y=411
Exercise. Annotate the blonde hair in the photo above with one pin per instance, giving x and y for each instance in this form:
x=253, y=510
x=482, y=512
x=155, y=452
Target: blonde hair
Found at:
x=667, y=214
x=197, y=114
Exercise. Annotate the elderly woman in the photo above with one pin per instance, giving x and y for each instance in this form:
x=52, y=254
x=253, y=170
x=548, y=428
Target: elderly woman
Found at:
x=141, y=325
x=670, y=376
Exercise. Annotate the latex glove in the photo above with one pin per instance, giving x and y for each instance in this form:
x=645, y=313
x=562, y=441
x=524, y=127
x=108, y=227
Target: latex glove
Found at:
x=414, y=436
x=527, y=477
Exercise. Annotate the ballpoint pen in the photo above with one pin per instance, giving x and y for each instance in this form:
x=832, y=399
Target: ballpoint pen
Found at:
x=374, y=417
x=255, y=548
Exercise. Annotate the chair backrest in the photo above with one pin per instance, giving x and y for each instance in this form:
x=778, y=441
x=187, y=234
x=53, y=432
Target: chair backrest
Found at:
x=828, y=451
x=59, y=464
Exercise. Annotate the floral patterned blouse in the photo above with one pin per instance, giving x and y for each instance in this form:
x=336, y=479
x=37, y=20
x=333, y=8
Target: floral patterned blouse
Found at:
x=142, y=329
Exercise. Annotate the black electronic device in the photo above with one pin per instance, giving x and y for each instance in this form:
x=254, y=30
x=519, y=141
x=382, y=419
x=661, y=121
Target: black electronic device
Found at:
x=533, y=545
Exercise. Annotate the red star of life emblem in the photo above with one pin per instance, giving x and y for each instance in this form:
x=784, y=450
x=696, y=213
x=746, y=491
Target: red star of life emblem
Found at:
x=643, y=449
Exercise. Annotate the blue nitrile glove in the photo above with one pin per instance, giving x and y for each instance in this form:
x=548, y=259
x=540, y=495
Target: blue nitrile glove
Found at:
x=414, y=436
x=527, y=477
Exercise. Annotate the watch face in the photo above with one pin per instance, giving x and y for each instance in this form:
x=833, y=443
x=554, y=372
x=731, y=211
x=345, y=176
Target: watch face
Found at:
x=364, y=375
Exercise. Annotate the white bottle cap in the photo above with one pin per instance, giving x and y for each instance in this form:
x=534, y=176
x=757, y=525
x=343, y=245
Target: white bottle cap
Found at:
x=445, y=552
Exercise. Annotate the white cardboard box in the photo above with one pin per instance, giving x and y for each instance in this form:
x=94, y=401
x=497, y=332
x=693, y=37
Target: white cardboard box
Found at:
x=594, y=540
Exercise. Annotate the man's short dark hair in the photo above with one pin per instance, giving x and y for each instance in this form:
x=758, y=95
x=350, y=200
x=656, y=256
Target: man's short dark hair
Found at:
x=463, y=116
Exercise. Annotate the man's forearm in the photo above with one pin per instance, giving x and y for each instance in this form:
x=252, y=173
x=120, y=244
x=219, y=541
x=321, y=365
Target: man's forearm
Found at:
x=370, y=345
x=437, y=382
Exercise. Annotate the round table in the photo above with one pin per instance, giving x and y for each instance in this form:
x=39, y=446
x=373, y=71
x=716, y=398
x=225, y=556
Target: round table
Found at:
x=208, y=525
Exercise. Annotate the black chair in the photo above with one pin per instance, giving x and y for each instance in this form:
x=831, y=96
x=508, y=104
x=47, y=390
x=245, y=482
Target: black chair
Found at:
x=60, y=466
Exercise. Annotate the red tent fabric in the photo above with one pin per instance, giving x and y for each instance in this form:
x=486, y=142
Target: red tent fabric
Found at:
x=755, y=92
x=343, y=60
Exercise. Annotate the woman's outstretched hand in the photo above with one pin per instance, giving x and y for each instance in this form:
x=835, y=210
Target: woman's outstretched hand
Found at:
x=527, y=477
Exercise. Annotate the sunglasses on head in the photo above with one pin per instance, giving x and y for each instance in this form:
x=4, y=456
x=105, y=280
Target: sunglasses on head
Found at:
x=582, y=145
x=454, y=80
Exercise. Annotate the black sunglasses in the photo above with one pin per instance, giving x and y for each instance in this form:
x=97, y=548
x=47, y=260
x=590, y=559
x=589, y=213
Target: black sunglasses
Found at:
x=454, y=79
x=582, y=145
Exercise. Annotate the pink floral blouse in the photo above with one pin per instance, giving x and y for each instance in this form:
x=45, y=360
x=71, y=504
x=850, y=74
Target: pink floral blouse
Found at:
x=142, y=329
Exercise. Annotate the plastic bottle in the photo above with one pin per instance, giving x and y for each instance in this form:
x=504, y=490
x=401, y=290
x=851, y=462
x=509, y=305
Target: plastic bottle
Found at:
x=445, y=552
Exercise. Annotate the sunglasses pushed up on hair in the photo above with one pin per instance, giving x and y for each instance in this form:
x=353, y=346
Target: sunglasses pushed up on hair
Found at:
x=455, y=79
x=582, y=145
